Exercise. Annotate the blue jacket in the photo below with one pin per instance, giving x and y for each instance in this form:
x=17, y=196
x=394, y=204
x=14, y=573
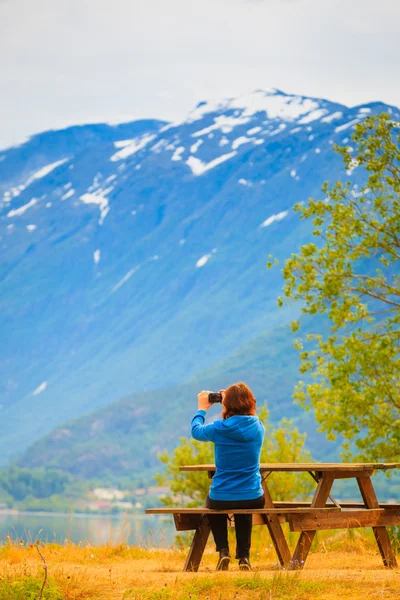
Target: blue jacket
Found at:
x=237, y=448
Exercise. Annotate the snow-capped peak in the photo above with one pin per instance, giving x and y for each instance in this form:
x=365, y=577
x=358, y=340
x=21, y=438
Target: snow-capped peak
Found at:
x=274, y=103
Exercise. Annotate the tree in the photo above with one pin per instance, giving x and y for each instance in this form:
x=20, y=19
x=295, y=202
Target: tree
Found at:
x=37, y=483
x=350, y=280
x=281, y=444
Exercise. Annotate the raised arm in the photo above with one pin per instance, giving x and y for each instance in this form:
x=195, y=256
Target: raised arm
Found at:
x=201, y=432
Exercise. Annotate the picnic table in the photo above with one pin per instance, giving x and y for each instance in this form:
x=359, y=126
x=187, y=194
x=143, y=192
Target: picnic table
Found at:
x=321, y=513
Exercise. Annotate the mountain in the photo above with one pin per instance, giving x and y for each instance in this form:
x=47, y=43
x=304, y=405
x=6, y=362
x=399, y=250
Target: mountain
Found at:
x=133, y=256
x=106, y=442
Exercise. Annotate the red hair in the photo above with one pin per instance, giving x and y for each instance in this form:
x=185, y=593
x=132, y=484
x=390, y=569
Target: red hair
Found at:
x=239, y=400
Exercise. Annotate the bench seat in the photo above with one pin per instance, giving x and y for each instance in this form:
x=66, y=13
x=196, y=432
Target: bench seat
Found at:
x=260, y=511
x=300, y=518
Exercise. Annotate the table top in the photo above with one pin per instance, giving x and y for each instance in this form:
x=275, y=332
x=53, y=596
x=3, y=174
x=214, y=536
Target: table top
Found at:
x=299, y=467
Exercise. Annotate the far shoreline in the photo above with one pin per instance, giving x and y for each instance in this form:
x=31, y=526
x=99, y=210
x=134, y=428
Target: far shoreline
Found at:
x=16, y=512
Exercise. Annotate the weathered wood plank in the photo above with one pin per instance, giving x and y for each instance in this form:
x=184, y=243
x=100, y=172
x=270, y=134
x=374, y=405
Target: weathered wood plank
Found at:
x=186, y=522
x=279, y=507
x=345, y=504
x=351, y=474
x=230, y=511
x=306, y=537
x=345, y=519
x=381, y=535
x=298, y=467
x=190, y=522
x=260, y=519
x=275, y=529
x=199, y=542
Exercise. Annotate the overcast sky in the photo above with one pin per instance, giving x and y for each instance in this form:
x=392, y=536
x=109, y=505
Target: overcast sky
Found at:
x=74, y=61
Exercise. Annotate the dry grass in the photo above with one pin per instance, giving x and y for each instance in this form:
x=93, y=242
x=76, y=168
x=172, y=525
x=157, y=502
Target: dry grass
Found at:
x=340, y=567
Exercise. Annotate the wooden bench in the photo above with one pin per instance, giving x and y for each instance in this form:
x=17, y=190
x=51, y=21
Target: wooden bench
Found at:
x=300, y=518
x=304, y=517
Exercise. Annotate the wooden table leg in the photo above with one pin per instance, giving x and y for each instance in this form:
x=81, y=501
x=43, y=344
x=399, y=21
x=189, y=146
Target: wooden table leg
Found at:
x=306, y=537
x=381, y=534
x=198, y=544
x=275, y=530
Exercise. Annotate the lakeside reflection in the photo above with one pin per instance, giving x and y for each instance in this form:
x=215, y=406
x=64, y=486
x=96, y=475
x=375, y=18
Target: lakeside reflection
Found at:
x=135, y=530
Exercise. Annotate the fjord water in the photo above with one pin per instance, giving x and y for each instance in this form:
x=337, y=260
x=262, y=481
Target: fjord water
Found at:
x=135, y=530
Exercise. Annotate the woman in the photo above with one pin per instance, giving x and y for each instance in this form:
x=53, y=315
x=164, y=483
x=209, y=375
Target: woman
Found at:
x=238, y=439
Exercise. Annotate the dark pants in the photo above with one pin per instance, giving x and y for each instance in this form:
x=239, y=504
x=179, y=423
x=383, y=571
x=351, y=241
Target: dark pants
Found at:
x=243, y=524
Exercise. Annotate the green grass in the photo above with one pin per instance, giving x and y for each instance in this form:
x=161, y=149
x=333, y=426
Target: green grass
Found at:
x=280, y=587
x=29, y=589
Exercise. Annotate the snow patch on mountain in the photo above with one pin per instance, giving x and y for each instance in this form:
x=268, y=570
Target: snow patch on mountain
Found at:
x=16, y=212
x=346, y=125
x=100, y=200
x=224, y=123
x=245, y=182
x=134, y=146
x=43, y=172
x=177, y=154
x=313, y=115
x=198, y=167
x=332, y=117
x=159, y=146
x=254, y=130
x=240, y=141
x=70, y=193
x=278, y=217
x=124, y=279
x=352, y=165
x=194, y=147
x=203, y=260
x=281, y=127
x=122, y=143
x=40, y=388
x=202, y=109
x=275, y=104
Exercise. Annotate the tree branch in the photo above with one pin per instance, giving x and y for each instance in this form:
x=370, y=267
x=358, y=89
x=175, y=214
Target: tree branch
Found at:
x=45, y=570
